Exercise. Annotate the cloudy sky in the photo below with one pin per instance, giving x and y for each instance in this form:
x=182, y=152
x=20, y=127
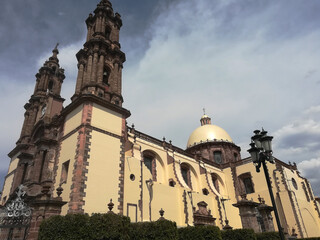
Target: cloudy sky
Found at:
x=249, y=63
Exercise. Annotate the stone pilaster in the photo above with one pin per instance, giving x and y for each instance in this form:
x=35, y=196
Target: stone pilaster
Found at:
x=248, y=214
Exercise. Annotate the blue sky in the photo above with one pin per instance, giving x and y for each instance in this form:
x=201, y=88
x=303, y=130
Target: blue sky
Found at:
x=250, y=63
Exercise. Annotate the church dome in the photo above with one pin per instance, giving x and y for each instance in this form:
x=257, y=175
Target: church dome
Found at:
x=207, y=132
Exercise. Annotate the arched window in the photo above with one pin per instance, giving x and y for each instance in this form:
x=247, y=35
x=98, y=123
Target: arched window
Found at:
x=107, y=32
x=105, y=77
x=186, y=175
x=50, y=86
x=235, y=157
x=215, y=181
x=217, y=156
x=149, y=162
x=246, y=181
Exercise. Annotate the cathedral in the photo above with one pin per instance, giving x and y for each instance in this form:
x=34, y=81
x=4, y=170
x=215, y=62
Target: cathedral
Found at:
x=78, y=158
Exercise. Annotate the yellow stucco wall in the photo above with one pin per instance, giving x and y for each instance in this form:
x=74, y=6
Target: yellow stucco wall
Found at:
x=308, y=217
x=132, y=189
x=103, y=173
x=13, y=164
x=106, y=119
x=9, y=179
x=73, y=120
x=292, y=203
x=231, y=211
x=6, y=187
x=102, y=182
x=171, y=199
x=68, y=152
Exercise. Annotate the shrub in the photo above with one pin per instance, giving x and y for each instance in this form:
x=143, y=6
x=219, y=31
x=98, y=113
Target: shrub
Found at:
x=199, y=233
x=69, y=227
x=238, y=234
x=82, y=227
x=159, y=230
x=109, y=226
x=268, y=236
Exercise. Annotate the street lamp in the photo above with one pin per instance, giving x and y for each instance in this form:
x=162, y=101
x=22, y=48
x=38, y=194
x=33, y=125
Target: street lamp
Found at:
x=261, y=151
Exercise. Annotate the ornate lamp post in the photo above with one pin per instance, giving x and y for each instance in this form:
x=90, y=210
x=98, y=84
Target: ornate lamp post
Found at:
x=261, y=151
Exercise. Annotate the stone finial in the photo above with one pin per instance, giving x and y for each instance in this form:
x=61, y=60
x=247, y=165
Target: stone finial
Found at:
x=227, y=226
x=59, y=190
x=161, y=214
x=110, y=205
x=163, y=142
x=133, y=130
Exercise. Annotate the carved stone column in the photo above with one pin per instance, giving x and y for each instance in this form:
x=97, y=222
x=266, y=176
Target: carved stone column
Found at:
x=80, y=77
x=265, y=212
x=248, y=213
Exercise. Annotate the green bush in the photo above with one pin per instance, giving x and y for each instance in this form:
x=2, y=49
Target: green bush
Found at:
x=109, y=227
x=199, y=233
x=83, y=227
x=268, y=236
x=71, y=226
x=159, y=230
x=238, y=234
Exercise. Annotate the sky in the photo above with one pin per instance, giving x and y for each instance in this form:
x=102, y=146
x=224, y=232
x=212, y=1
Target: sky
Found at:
x=249, y=63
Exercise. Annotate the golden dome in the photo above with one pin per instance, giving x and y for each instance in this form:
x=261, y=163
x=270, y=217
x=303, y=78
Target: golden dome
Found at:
x=206, y=133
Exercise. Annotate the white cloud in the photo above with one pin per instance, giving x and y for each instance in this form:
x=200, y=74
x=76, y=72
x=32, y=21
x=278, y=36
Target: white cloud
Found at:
x=244, y=81
x=299, y=142
x=310, y=170
x=214, y=56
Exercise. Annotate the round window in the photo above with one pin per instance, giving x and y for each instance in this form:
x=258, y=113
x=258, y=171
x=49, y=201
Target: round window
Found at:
x=132, y=177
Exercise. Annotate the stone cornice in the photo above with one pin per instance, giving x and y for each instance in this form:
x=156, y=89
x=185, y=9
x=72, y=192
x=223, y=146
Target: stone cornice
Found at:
x=95, y=99
x=18, y=148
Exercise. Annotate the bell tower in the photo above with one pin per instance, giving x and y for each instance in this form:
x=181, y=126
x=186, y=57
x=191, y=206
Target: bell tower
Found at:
x=46, y=100
x=100, y=62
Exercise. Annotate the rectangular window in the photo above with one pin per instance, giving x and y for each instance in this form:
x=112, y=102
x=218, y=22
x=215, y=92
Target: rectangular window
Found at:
x=64, y=172
x=217, y=157
x=248, y=185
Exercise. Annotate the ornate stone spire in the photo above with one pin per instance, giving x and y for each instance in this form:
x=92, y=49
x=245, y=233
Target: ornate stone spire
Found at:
x=50, y=76
x=104, y=3
x=55, y=52
x=100, y=62
x=49, y=81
